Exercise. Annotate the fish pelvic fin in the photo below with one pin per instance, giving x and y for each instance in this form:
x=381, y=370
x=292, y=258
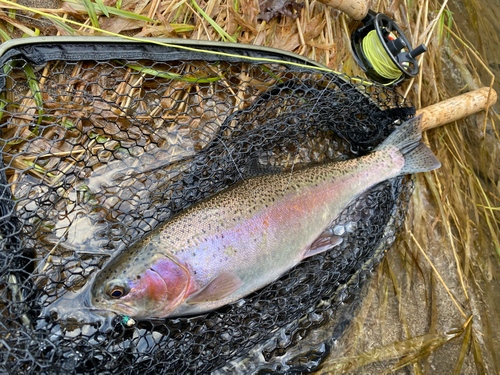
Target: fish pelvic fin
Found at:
x=406, y=138
x=324, y=242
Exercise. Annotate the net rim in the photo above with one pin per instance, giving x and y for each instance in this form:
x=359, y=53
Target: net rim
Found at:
x=22, y=42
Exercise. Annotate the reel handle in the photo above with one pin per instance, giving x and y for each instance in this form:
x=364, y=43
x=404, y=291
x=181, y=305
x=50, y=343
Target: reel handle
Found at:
x=455, y=108
x=355, y=9
x=418, y=51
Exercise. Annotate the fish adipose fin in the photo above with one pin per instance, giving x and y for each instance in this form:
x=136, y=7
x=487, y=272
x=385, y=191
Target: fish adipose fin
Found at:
x=323, y=243
x=418, y=156
x=219, y=288
x=255, y=169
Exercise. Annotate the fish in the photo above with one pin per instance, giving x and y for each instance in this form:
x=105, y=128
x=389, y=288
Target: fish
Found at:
x=221, y=249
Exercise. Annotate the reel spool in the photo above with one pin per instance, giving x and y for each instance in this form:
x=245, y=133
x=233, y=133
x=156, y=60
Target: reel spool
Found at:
x=383, y=51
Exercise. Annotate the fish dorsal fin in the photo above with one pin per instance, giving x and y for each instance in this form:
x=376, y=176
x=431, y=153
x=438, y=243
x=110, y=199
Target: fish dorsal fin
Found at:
x=219, y=288
x=324, y=242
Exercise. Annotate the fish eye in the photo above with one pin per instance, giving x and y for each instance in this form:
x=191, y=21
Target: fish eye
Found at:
x=117, y=289
x=117, y=292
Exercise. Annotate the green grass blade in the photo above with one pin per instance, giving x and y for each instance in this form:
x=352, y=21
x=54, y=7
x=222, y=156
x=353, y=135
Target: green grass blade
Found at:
x=114, y=11
x=12, y=14
x=68, y=124
x=3, y=103
x=98, y=138
x=37, y=33
x=89, y=6
x=4, y=35
x=463, y=351
x=102, y=7
x=179, y=10
x=167, y=75
x=441, y=27
x=237, y=32
x=38, y=168
x=118, y=4
x=35, y=89
x=478, y=357
x=133, y=16
x=271, y=73
x=446, y=14
x=410, y=4
x=181, y=27
x=219, y=29
x=450, y=23
x=63, y=26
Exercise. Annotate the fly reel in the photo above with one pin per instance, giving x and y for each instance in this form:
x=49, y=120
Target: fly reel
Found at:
x=383, y=51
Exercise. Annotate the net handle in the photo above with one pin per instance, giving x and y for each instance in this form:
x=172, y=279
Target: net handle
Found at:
x=455, y=108
x=356, y=9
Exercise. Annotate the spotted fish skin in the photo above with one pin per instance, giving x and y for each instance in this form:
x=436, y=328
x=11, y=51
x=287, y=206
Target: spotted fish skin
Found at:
x=221, y=249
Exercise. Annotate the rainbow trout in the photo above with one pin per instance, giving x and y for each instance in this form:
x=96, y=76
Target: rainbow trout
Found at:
x=241, y=239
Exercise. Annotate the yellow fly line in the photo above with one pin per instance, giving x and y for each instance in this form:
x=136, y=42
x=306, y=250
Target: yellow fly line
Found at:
x=378, y=57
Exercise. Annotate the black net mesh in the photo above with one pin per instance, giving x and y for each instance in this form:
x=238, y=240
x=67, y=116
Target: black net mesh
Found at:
x=99, y=146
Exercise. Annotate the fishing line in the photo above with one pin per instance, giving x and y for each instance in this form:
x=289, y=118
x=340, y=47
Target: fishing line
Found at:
x=378, y=57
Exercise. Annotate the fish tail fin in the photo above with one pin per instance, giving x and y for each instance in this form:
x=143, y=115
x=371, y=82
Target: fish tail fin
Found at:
x=406, y=138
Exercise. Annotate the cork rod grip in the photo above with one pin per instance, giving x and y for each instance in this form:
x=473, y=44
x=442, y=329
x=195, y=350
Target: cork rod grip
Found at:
x=457, y=107
x=356, y=9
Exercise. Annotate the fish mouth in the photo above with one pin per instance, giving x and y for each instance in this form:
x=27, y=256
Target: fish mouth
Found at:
x=102, y=311
x=125, y=309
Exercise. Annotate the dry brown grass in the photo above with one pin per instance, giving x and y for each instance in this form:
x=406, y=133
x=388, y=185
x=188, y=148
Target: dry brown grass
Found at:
x=433, y=303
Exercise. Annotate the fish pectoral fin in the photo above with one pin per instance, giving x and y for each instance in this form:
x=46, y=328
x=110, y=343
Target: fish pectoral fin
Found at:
x=219, y=288
x=323, y=243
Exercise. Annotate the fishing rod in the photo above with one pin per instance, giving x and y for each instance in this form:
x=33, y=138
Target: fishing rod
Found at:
x=457, y=107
